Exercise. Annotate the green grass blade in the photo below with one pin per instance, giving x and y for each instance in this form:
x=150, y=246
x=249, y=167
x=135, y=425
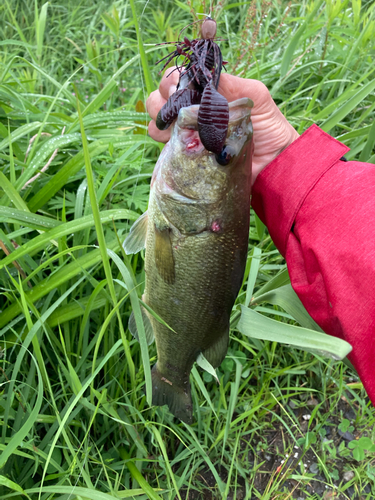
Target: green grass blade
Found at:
x=234, y=388
x=107, y=90
x=13, y=486
x=75, y=309
x=200, y=382
x=138, y=476
x=346, y=108
x=295, y=41
x=102, y=243
x=12, y=193
x=66, y=228
x=74, y=165
x=26, y=218
x=19, y=30
x=60, y=277
x=145, y=66
x=132, y=288
x=19, y=133
x=42, y=155
x=255, y=263
x=366, y=151
x=72, y=405
x=20, y=435
x=40, y=26
x=166, y=458
x=91, y=494
x=198, y=447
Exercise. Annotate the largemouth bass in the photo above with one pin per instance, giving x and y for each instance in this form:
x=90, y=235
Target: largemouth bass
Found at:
x=196, y=235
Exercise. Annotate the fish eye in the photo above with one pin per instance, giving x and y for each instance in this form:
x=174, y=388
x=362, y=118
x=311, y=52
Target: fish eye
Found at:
x=225, y=156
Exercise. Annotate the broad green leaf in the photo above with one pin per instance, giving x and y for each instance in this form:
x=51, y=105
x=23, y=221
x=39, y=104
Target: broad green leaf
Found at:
x=281, y=279
x=206, y=365
x=287, y=298
x=255, y=325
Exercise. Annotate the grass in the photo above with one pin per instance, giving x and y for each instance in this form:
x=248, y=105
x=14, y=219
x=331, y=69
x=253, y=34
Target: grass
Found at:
x=75, y=169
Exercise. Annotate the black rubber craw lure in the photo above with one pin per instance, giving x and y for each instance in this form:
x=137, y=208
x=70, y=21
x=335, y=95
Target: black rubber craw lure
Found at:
x=198, y=84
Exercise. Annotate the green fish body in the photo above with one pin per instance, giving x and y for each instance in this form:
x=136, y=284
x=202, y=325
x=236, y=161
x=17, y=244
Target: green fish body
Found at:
x=196, y=241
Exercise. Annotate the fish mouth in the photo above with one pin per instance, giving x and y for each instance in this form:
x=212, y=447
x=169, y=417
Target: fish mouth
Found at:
x=191, y=142
x=238, y=110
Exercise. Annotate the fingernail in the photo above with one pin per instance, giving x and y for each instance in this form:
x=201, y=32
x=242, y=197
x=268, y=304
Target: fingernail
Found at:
x=172, y=90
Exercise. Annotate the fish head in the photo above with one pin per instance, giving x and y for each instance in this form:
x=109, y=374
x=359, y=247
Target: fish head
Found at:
x=188, y=169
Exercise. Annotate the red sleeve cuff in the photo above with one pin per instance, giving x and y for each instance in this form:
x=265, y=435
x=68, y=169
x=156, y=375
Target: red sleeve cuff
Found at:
x=283, y=185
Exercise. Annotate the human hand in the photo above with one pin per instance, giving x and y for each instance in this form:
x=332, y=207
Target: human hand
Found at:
x=272, y=131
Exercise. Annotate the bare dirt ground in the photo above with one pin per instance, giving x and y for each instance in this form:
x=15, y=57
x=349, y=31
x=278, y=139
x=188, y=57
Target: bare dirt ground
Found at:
x=328, y=465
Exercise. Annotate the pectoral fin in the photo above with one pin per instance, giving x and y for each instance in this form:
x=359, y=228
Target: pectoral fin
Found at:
x=136, y=239
x=164, y=259
x=147, y=324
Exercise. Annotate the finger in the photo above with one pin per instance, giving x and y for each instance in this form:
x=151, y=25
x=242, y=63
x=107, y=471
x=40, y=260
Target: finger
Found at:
x=168, y=83
x=154, y=103
x=234, y=87
x=158, y=135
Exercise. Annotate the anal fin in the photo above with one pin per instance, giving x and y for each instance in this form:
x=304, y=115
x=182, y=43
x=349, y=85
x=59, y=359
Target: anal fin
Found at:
x=216, y=353
x=136, y=239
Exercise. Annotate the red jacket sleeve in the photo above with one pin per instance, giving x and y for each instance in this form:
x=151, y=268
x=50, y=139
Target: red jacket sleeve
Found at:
x=319, y=211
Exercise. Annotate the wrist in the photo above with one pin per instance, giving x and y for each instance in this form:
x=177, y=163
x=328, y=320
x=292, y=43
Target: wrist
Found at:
x=284, y=137
x=291, y=136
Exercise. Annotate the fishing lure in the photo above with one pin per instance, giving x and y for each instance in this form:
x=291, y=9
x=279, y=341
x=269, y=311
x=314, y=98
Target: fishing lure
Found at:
x=198, y=84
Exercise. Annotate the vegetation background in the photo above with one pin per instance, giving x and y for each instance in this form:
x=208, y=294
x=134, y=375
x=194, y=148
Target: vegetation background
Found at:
x=75, y=168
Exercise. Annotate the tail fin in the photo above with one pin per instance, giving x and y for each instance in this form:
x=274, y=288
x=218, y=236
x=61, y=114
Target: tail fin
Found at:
x=178, y=398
